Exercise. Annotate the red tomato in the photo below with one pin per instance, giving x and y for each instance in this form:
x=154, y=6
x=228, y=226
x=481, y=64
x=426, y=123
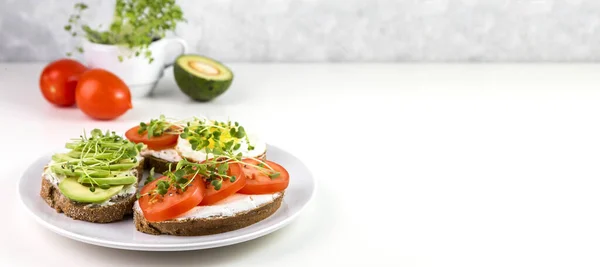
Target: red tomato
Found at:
x=173, y=203
x=155, y=143
x=258, y=182
x=228, y=188
x=58, y=81
x=102, y=95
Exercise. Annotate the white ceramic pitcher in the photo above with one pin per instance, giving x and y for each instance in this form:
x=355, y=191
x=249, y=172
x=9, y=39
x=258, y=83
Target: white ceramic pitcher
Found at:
x=136, y=72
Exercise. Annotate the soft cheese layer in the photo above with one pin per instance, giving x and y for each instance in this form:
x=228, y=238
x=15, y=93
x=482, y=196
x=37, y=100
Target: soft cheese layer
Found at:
x=165, y=154
x=230, y=206
x=185, y=149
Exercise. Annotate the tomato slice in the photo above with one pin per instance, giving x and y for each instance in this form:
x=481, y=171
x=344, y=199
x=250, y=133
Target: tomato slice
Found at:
x=173, y=203
x=228, y=188
x=155, y=143
x=258, y=182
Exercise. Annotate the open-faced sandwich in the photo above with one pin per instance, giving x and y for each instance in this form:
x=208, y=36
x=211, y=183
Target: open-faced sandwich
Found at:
x=218, y=179
x=167, y=141
x=215, y=178
x=96, y=180
x=160, y=138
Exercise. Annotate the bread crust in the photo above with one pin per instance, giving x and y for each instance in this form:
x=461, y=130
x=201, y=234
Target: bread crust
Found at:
x=85, y=212
x=206, y=226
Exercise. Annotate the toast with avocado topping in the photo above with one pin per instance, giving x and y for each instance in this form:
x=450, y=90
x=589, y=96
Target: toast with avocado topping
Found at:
x=96, y=180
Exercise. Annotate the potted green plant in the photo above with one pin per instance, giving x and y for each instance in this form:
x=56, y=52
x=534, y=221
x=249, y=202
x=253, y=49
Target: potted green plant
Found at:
x=133, y=46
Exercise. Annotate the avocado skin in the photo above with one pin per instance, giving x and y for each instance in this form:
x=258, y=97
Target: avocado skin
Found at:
x=199, y=88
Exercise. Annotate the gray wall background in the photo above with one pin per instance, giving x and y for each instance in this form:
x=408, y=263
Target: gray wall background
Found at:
x=338, y=30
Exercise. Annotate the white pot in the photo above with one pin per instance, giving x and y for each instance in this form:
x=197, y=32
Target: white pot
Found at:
x=136, y=72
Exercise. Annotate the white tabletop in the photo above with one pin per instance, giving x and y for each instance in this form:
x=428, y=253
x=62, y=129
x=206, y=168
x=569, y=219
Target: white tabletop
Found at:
x=417, y=165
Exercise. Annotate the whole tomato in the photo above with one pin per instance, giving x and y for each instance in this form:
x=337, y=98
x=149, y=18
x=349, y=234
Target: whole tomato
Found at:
x=58, y=81
x=102, y=95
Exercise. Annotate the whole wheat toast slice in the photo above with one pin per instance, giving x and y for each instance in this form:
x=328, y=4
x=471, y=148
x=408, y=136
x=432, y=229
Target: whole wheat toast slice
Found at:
x=206, y=226
x=85, y=212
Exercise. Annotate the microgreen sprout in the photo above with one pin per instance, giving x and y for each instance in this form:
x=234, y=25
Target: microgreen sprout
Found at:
x=151, y=177
x=213, y=172
x=160, y=126
x=101, y=155
x=215, y=137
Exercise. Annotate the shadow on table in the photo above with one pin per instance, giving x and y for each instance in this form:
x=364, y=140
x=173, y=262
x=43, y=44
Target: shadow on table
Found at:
x=238, y=92
x=206, y=257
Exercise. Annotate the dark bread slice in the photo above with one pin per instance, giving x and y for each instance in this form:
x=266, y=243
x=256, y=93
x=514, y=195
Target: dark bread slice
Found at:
x=161, y=165
x=85, y=212
x=206, y=226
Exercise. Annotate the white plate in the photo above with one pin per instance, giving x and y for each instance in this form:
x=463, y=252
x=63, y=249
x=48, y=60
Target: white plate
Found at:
x=123, y=234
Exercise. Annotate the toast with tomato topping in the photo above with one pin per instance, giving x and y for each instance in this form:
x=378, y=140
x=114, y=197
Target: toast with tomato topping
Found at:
x=159, y=137
x=168, y=142
x=205, y=224
x=161, y=165
x=216, y=177
x=210, y=197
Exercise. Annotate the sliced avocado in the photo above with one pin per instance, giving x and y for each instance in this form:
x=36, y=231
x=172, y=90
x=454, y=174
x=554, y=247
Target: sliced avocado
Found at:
x=78, y=172
x=201, y=78
x=117, y=180
x=118, y=166
x=81, y=193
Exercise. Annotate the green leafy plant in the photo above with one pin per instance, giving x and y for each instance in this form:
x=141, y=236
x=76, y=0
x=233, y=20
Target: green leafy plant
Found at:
x=136, y=24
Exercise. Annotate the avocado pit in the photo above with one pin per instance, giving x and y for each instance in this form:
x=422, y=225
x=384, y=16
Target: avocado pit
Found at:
x=203, y=67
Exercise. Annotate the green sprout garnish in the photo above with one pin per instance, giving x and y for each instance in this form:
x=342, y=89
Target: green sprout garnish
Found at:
x=263, y=168
x=100, y=155
x=217, y=138
x=162, y=187
x=213, y=172
x=158, y=127
x=151, y=177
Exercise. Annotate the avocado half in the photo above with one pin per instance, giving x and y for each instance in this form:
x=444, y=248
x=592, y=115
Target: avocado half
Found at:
x=201, y=78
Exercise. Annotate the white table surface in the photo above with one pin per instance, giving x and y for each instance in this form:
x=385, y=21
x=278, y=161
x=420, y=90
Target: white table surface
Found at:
x=416, y=165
